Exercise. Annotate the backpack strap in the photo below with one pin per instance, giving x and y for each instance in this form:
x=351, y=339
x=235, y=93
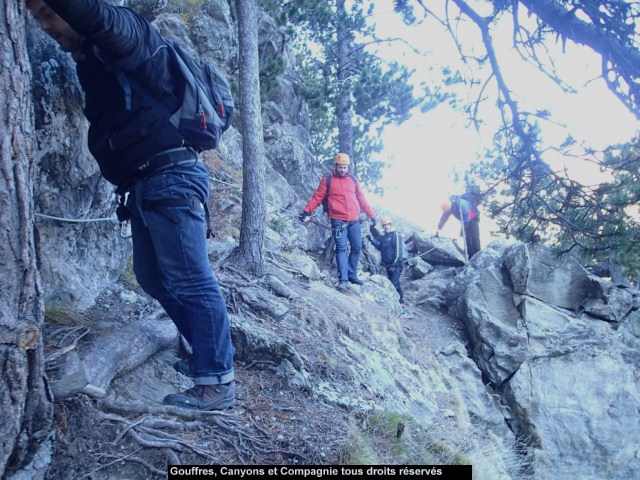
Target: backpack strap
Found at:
x=327, y=184
x=398, y=255
x=128, y=83
x=122, y=78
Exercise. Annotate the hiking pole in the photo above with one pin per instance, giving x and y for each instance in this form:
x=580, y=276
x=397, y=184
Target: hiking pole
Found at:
x=464, y=233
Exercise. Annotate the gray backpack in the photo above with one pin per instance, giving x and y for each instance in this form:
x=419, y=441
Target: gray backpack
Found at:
x=207, y=104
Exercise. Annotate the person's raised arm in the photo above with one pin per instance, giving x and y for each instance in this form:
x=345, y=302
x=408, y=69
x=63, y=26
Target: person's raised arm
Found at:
x=118, y=32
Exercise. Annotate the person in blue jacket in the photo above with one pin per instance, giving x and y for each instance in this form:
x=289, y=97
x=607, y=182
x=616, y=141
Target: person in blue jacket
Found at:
x=142, y=153
x=467, y=212
x=390, y=246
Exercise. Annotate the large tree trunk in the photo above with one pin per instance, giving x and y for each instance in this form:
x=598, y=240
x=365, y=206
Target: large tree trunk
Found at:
x=25, y=405
x=345, y=120
x=252, y=230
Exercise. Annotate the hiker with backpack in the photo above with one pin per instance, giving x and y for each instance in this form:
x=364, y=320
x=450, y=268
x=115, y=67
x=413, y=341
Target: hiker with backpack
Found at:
x=390, y=246
x=465, y=210
x=341, y=193
x=146, y=131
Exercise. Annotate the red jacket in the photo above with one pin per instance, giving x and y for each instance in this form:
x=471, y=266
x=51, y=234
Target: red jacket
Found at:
x=345, y=198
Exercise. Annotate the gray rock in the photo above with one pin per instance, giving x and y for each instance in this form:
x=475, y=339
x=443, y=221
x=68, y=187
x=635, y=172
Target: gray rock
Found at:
x=537, y=272
x=278, y=192
x=254, y=343
x=263, y=302
x=495, y=326
x=482, y=405
x=419, y=268
x=79, y=260
x=148, y=8
x=580, y=425
x=172, y=26
x=552, y=332
x=437, y=251
x=279, y=287
x=431, y=289
x=290, y=157
x=306, y=265
x=215, y=34
x=611, y=303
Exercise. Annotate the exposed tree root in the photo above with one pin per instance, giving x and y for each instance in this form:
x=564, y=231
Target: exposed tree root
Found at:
x=153, y=430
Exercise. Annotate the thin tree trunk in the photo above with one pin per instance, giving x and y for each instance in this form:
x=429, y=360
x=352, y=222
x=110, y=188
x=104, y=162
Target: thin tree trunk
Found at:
x=345, y=115
x=25, y=405
x=252, y=230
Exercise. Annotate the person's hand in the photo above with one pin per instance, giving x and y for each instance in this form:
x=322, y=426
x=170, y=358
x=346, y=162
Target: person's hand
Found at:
x=303, y=217
x=372, y=229
x=373, y=222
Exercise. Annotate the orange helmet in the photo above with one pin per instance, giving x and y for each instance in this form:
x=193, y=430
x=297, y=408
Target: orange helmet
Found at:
x=385, y=221
x=342, y=159
x=445, y=206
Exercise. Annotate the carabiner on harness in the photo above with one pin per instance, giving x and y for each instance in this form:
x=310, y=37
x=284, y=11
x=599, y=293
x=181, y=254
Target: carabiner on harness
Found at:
x=338, y=230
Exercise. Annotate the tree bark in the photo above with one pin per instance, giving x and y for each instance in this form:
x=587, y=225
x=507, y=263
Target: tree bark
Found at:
x=25, y=403
x=345, y=114
x=252, y=230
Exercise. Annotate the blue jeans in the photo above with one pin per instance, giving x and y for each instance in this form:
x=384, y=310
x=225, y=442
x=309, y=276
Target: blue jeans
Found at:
x=171, y=264
x=342, y=230
x=393, y=273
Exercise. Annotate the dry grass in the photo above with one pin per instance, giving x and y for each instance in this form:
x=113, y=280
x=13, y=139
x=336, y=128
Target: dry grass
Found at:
x=388, y=438
x=57, y=315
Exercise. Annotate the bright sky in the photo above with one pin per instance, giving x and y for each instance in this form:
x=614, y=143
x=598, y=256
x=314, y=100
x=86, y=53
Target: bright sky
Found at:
x=425, y=151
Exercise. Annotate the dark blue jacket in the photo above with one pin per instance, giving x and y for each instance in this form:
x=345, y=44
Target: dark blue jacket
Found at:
x=390, y=246
x=120, y=139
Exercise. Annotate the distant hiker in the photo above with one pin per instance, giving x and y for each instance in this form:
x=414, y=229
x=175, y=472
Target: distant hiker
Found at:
x=142, y=153
x=344, y=199
x=467, y=212
x=390, y=246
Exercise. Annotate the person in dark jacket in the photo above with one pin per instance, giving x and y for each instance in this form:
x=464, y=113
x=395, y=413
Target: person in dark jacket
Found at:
x=345, y=200
x=390, y=246
x=465, y=211
x=140, y=152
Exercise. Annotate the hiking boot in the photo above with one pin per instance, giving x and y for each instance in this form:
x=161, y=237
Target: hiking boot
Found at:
x=343, y=285
x=205, y=397
x=183, y=367
x=357, y=281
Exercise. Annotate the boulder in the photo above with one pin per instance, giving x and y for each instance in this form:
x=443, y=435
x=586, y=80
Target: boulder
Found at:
x=437, y=251
x=580, y=414
x=537, y=272
x=418, y=268
x=263, y=302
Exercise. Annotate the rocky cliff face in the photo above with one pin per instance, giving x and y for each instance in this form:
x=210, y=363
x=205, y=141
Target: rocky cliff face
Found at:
x=519, y=363
x=560, y=346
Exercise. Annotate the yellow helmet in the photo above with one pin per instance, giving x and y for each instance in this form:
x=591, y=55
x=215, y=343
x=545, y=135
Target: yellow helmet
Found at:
x=342, y=159
x=385, y=221
x=445, y=206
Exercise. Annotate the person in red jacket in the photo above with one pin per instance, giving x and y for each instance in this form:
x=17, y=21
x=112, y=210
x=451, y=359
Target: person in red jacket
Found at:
x=345, y=200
